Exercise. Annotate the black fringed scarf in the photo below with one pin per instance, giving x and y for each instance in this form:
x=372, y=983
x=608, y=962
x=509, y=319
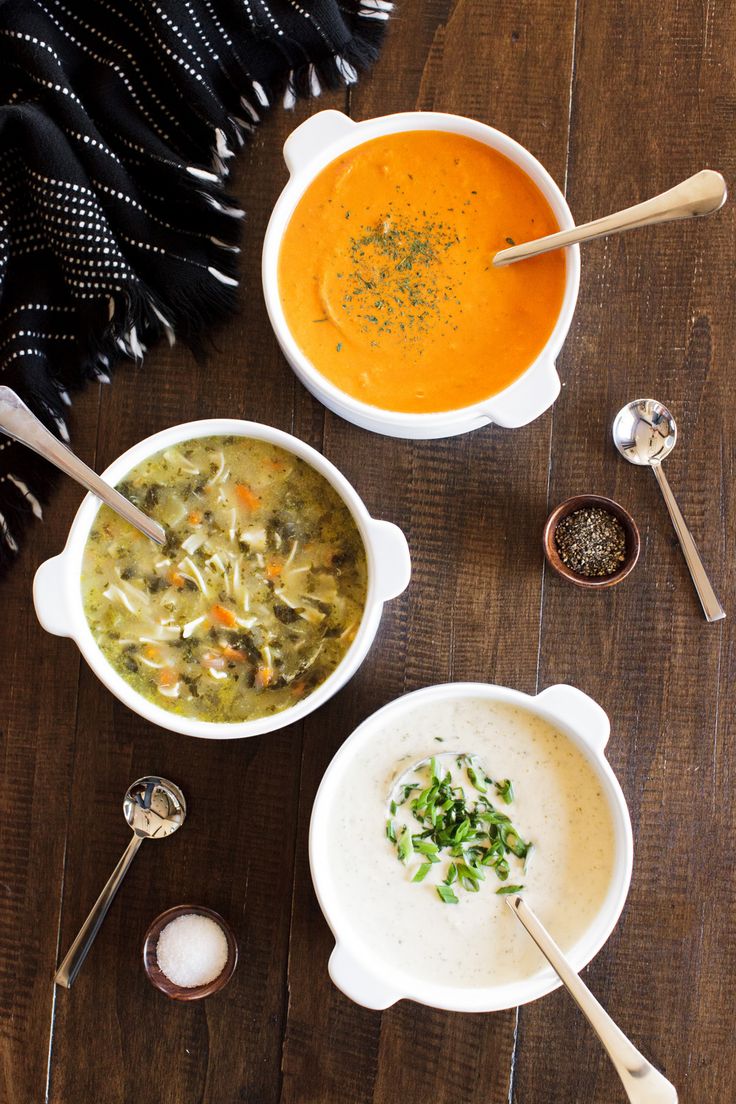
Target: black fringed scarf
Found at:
x=117, y=121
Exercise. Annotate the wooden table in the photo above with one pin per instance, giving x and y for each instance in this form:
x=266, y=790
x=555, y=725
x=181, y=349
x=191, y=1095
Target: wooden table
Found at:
x=618, y=101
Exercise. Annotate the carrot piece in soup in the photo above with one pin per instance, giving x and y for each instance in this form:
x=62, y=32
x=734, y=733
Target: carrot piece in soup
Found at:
x=168, y=677
x=223, y=615
x=246, y=496
x=264, y=676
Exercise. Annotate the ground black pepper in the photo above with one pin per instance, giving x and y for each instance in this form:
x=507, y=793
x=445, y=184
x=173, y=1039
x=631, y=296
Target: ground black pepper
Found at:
x=591, y=541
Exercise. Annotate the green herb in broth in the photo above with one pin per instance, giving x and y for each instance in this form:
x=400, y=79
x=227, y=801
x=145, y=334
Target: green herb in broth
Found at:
x=468, y=830
x=256, y=595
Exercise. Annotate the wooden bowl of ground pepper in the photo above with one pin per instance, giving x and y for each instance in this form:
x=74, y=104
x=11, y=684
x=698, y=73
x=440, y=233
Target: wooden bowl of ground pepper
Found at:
x=591, y=541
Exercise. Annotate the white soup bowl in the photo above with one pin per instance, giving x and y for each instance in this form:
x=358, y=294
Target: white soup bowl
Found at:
x=307, y=151
x=57, y=593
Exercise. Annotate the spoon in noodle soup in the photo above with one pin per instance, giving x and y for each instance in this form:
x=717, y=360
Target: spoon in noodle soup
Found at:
x=19, y=423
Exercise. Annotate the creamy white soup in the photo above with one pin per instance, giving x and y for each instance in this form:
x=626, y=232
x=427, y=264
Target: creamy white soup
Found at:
x=535, y=817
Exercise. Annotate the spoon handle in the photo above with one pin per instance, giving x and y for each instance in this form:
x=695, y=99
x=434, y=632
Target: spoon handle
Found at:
x=642, y=1082
x=712, y=608
x=698, y=195
x=22, y=425
x=79, y=949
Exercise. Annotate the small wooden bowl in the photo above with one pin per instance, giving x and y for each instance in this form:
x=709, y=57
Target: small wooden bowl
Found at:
x=159, y=979
x=580, y=502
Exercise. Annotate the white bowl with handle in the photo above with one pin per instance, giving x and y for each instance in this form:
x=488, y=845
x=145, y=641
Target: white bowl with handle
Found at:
x=57, y=593
x=307, y=151
x=355, y=968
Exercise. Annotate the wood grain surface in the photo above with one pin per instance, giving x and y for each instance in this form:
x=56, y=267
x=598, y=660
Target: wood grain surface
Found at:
x=618, y=100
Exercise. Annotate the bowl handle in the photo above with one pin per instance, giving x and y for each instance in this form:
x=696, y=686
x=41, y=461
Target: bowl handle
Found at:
x=574, y=707
x=356, y=983
x=309, y=139
x=393, y=562
x=50, y=597
x=526, y=399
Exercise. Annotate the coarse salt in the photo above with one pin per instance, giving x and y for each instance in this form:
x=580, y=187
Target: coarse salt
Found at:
x=192, y=950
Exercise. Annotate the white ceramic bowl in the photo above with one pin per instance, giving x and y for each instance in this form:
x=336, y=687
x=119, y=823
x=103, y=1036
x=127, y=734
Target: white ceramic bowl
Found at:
x=58, y=599
x=308, y=150
x=355, y=969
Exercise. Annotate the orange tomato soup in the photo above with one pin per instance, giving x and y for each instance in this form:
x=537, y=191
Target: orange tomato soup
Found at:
x=386, y=280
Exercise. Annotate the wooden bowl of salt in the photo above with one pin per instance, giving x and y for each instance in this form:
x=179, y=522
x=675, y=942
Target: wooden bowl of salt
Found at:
x=189, y=952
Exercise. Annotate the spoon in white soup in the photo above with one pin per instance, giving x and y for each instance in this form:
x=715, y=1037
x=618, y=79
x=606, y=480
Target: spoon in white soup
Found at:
x=22, y=425
x=701, y=194
x=642, y=1082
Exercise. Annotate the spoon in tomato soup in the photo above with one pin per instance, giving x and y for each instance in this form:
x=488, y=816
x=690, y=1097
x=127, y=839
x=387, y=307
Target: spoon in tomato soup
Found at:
x=19, y=423
x=699, y=195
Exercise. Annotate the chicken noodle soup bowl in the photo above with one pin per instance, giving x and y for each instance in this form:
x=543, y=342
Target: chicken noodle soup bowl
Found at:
x=396, y=938
x=434, y=279
x=59, y=600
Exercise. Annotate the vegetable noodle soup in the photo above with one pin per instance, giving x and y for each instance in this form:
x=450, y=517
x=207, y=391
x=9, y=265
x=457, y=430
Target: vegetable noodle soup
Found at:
x=255, y=597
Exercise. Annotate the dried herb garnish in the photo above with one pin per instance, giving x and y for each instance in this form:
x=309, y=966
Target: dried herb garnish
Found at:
x=395, y=282
x=468, y=832
x=591, y=541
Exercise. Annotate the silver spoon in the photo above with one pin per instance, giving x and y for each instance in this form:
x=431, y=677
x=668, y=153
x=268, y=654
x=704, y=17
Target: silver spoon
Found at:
x=19, y=423
x=701, y=194
x=644, y=432
x=154, y=808
x=642, y=1082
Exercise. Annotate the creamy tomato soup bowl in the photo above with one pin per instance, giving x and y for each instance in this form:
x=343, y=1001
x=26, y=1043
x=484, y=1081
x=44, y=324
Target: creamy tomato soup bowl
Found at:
x=58, y=597
x=321, y=142
x=395, y=937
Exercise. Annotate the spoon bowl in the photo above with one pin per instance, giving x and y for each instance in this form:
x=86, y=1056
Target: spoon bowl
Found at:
x=644, y=432
x=154, y=807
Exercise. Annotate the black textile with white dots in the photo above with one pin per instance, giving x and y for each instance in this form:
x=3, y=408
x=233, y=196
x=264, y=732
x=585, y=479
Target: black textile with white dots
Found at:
x=117, y=121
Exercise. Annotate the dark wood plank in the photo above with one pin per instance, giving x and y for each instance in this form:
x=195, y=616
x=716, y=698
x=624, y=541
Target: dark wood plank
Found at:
x=235, y=852
x=40, y=676
x=653, y=319
x=468, y=511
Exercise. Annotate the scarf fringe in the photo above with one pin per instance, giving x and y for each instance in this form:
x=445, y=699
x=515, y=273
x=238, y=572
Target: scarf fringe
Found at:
x=126, y=325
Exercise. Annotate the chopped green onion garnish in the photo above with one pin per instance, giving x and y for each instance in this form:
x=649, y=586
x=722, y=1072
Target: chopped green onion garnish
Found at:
x=473, y=775
x=505, y=790
x=422, y=872
x=468, y=830
x=405, y=845
x=424, y=847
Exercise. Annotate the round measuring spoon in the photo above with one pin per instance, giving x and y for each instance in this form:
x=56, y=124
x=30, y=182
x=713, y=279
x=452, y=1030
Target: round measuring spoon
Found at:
x=154, y=808
x=22, y=425
x=643, y=1083
x=644, y=432
x=701, y=194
